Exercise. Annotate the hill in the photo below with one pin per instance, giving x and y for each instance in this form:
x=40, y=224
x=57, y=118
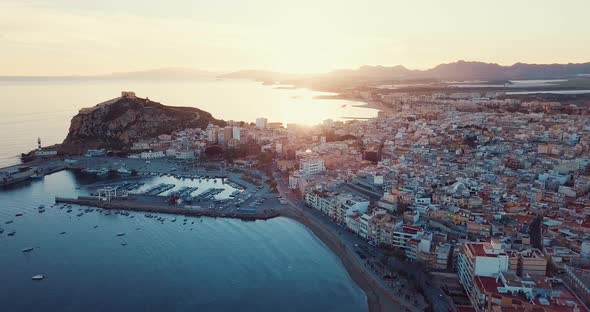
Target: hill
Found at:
x=119, y=122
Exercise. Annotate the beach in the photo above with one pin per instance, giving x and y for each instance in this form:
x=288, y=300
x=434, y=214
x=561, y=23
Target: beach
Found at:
x=379, y=298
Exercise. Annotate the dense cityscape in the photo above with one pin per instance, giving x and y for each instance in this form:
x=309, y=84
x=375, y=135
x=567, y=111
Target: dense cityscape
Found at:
x=315, y=156
x=453, y=192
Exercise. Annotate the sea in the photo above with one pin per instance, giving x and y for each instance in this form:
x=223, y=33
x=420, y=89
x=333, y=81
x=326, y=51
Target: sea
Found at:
x=203, y=264
x=43, y=108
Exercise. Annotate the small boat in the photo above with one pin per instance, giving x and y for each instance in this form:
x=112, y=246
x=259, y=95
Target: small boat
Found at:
x=95, y=226
x=80, y=214
x=19, y=215
x=41, y=206
x=173, y=220
x=8, y=222
x=123, y=244
x=62, y=233
x=120, y=234
x=28, y=249
x=41, y=210
x=1, y=230
x=11, y=233
x=37, y=176
x=37, y=277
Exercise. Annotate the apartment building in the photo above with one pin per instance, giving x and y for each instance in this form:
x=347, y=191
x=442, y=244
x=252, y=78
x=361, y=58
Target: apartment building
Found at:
x=311, y=165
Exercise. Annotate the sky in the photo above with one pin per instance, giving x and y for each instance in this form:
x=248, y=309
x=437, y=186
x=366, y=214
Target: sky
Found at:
x=79, y=37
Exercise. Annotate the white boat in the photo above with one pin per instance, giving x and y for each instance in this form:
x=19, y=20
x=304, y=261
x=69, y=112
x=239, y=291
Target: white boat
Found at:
x=38, y=277
x=123, y=171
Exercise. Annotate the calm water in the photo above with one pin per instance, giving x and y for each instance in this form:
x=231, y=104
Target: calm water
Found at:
x=219, y=265
x=44, y=108
x=550, y=91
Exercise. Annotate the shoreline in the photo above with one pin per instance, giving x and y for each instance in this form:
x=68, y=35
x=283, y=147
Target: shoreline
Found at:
x=377, y=299
x=362, y=103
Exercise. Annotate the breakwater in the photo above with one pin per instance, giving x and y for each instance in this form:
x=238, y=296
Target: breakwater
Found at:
x=156, y=205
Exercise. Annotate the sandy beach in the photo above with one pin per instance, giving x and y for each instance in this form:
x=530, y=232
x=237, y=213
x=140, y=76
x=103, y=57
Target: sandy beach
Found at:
x=378, y=298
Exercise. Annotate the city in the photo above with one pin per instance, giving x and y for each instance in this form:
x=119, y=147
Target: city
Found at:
x=316, y=156
x=490, y=205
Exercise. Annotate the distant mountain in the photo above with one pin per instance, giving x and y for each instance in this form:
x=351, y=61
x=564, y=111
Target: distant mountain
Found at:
x=264, y=75
x=168, y=73
x=164, y=73
x=457, y=71
x=463, y=70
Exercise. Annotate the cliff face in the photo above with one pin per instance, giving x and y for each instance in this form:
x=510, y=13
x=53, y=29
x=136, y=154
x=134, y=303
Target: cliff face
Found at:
x=120, y=122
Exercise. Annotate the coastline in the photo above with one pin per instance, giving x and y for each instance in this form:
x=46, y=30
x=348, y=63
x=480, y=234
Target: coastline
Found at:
x=362, y=102
x=378, y=297
x=378, y=300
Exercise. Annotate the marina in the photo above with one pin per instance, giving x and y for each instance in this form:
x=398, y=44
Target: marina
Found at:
x=156, y=204
x=159, y=189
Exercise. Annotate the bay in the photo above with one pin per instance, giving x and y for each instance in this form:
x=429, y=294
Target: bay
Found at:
x=212, y=265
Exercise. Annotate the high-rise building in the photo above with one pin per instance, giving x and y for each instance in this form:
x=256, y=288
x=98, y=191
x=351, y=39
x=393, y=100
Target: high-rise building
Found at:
x=236, y=133
x=261, y=122
x=227, y=133
x=211, y=133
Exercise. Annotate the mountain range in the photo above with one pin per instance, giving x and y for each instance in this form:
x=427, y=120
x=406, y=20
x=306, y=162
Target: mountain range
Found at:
x=456, y=71
x=342, y=78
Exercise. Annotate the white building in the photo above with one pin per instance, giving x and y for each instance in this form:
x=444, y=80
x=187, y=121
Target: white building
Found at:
x=45, y=153
x=311, y=165
x=185, y=155
x=261, y=123
x=294, y=180
x=152, y=155
x=480, y=259
x=212, y=133
x=236, y=133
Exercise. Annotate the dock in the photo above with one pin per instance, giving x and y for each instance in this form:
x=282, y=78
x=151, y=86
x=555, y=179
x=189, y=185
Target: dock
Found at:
x=156, y=204
x=159, y=189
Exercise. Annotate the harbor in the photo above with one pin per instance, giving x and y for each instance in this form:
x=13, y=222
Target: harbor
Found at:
x=158, y=204
x=155, y=246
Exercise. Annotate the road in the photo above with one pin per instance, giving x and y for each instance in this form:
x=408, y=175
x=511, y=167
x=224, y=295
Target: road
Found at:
x=382, y=296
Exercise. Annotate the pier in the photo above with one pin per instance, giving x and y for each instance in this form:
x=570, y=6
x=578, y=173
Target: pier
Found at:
x=159, y=189
x=156, y=204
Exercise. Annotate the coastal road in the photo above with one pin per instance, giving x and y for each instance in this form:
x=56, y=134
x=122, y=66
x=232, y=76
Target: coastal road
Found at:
x=379, y=296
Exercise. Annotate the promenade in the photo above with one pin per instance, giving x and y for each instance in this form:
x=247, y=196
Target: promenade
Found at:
x=380, y=298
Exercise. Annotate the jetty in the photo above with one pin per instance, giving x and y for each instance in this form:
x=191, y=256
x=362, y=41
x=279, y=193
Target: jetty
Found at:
x=159, y=204
x=159, y=189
